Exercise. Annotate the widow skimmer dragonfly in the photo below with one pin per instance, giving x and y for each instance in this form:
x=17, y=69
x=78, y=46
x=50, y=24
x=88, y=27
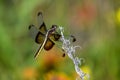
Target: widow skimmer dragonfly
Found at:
x=43, y=36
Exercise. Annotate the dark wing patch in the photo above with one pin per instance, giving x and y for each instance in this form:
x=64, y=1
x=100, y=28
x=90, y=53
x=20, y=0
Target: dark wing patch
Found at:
x=63, y=55
x=73, y=38
x=43, y=28
x=39, y=38
x=55, y=36
x=49, y=44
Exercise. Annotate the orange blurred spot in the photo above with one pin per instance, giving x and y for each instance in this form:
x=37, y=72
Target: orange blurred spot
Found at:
x=84, y=15
x=52, y=57
x=29, y=73
x=56, y=76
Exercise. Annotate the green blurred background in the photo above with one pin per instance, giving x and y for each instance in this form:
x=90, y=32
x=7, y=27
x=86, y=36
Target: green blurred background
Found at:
x=95, y=24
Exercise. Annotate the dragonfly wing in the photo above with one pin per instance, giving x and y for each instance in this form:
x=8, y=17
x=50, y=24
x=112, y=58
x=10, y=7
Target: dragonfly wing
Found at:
x=49, y=44
x=36, y=34
x=42, y=26
x=33, y=31
x=39, y=38
x=55, y=36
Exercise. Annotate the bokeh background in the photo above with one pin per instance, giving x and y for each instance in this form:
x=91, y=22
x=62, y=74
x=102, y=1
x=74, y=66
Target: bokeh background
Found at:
x=94, y=23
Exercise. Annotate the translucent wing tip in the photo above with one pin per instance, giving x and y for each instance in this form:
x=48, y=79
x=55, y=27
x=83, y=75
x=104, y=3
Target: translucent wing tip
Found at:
x=39, y=13
x=74, y=39
x=30, y=26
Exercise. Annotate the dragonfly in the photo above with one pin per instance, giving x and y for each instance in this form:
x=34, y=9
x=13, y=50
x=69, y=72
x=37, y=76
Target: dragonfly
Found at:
x=43, y=36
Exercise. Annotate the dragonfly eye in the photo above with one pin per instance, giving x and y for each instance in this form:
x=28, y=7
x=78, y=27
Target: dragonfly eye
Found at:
x=52, y=29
